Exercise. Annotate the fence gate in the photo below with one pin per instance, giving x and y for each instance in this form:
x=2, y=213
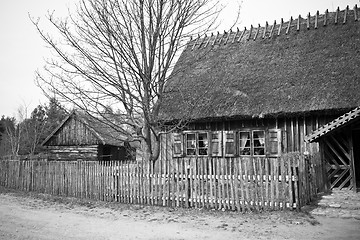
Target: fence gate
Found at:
x=338, y=160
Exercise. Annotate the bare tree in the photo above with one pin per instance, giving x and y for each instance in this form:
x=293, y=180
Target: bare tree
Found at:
x=118, y=54
x=15, y=131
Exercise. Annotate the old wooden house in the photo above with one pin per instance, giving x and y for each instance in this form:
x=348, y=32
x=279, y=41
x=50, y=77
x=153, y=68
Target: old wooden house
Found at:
x=260, y=91
x=80, y=137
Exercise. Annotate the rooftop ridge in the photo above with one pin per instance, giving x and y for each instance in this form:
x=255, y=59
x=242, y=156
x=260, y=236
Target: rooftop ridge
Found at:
x=274, y=30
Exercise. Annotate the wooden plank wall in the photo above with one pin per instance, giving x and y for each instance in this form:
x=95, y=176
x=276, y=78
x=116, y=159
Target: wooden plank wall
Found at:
x=73, y=132
x=240, y=184
x=293, y=129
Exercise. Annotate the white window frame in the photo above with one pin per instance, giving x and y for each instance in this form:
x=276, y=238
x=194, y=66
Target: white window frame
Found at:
x=197, y=140
x=251, y=147
x=227, y=140
x=180, y=141
x=219, y=142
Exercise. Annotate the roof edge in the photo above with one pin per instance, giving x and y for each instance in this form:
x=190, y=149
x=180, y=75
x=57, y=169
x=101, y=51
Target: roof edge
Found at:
x=270, y=31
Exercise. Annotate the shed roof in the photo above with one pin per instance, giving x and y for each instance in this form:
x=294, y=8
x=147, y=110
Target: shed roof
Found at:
x=305, y=65
x=104, y=133
x=337, y=123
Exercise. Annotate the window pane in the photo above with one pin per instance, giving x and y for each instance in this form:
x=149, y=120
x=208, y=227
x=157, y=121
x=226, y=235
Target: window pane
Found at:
x=177, y=137
x=215, y=136
x=203, y=144
x=273, y=147
x=244, y=141
x=190, y=152
x=177, y=148
x=191, y=144
x=215, y=148
x=245, y=151
x=230, y=135
x=203, y=151
x=190, y=136
x=259, y=151
x=229, y=148
x=259, y=142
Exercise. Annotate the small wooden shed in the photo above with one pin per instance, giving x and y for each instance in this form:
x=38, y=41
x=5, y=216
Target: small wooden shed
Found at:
x=81, y=137
x=340, y=150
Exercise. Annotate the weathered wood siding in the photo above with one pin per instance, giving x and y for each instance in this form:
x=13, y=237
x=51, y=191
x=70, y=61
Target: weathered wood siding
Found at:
x=240, y=184
x=293, y=131
x=68, y=153
x=74, y=132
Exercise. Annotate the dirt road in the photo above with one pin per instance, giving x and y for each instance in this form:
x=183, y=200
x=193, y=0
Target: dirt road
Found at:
x=39, y=216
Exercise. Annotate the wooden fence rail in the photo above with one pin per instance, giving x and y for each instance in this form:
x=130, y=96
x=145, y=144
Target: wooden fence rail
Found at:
x=219, y=183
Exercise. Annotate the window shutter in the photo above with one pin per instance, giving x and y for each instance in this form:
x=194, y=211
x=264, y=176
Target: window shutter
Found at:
x=216, y=144
x=178, y=146
x=274, y=142
x=229, y=139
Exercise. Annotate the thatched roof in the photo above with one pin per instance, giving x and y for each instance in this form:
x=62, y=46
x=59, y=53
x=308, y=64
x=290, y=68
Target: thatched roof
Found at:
x=305, y=65
x=105, y=134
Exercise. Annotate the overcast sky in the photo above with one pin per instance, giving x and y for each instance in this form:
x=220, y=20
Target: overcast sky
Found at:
x=22, y=51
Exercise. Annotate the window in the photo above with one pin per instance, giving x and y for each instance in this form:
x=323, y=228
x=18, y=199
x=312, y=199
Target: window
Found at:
x=177, y=146
x=203, y=144
x=252, y=143
x=216, y=149
x=244, y=141
x=191, y=144
x=274, y=142
x=258, y=142
x=229, y=143
x=197, y=144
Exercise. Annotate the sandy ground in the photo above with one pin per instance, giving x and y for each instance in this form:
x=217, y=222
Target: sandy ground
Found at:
x=39, y=216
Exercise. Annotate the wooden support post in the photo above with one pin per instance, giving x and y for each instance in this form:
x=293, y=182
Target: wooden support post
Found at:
x=325, y=17
x=337, y=15
x=281, y=25
x=288, y=27
x=222, y=36
x=251, y=28
x=304, y=134
x=272, y=29
x=257, y=32
x=308, y=22
x=203, y=40
x=355, y=12
x=234, y=38
x=213, y=43
x=265, y=29
x=316, y=19
x=242, y=34
x=197, y=40
x=227, y=37
x=352, y=159
x=326, y=179
x=292, y=134
x=298, y=24
x=345, y=13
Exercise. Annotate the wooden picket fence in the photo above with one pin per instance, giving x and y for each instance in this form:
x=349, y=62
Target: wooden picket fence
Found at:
x=217, y=183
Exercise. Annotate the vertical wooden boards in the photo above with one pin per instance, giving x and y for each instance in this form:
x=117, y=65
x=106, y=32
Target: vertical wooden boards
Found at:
x=187, y=182
x=236, y=183
x=247, y=184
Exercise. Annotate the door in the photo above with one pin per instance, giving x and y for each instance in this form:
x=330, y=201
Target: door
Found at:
x=356, y=149
x=337, y=153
